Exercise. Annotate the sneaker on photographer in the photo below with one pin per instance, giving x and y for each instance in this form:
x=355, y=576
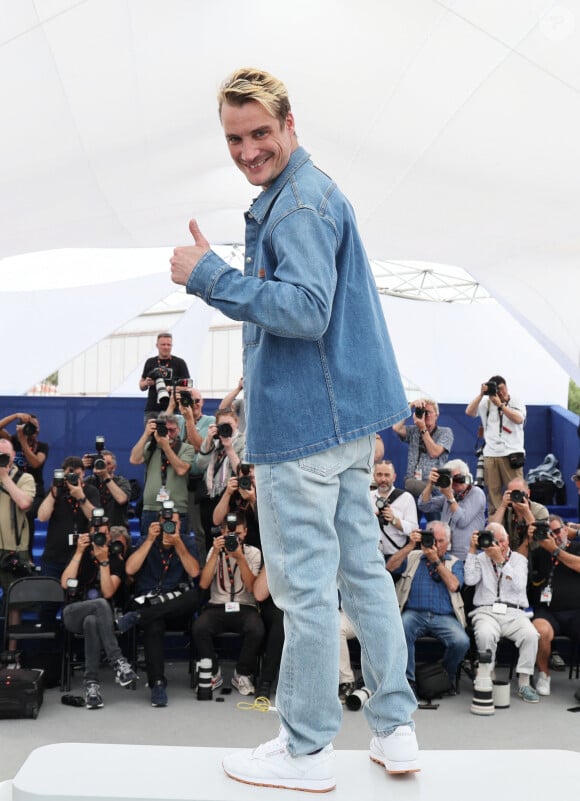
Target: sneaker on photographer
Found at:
x=543, y=684
x=243, y=684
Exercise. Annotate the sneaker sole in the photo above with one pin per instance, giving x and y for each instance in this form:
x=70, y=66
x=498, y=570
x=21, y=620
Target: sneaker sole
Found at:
x=94, y=706
x=243, y=690
x=217, y=685
x=321, y=786
x=393, y=767
x=529, y=700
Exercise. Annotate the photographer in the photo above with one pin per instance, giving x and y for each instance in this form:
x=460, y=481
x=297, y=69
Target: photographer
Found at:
x=502, y=418
x=429, y=596
x=30, y=457
x=240, y=496
x=167, y=460
x=163, y=564
x=395, y=509
x=91, y=578
x=114, y=491
x=230, y=572
x=499, y=576
x=68, y=508
x=554, y=591
x=460, y=503
x=429, y=444
x=516, y=512
x=160, y=364
x=219, y=455
x=16, y=495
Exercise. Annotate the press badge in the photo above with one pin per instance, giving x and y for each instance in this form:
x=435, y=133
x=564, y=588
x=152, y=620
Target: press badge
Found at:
x=499, y=608
x=546, y=596
x=162, y=495
x=232, y=606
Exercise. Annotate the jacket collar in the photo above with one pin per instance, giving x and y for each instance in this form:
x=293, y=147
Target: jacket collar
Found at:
x=261, y=205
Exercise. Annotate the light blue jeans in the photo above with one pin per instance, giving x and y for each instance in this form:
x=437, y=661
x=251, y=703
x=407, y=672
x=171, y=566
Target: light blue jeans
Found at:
x=445, y=628
x=319, y=532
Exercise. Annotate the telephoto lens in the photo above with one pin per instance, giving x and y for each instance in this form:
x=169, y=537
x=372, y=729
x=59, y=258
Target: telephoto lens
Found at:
x=357, y=699
x=204, y=690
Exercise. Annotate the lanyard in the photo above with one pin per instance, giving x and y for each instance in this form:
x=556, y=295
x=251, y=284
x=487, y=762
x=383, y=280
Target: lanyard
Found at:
x=231, y=575
x=500, y=576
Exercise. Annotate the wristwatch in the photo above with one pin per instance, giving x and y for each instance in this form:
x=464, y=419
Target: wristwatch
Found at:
x=105, y=563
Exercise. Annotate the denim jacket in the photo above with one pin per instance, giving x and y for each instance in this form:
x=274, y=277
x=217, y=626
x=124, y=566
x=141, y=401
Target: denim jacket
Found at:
x=319, y=367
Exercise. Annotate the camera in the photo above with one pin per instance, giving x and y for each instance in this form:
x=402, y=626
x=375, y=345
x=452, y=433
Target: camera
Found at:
x=244, y=481
x=168, y=525
x=491, y=388
x=4, y=460
x=98, y=520
x=381, y=503
x=17, y=564
x=183, y=385
x=72, y=478
x=444, y=477
x=541, y=530
x=224, y=430
x=116, y=548
x=427, y=539
x=231, y=540
x=162, y=376
x=517, y=496
x=29, y=429
x=419, y=412
x=161, y=426
x=97, y=461
x=485, y=539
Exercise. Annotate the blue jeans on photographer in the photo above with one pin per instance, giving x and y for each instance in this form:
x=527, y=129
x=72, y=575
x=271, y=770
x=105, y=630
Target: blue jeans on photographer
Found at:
x=318, y=530
x=420, y=623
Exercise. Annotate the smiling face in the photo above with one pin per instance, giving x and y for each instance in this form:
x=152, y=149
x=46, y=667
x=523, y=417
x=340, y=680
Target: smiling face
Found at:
x=259, y=144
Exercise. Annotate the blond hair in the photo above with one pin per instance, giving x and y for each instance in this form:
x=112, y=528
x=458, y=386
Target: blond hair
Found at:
x=249, y=83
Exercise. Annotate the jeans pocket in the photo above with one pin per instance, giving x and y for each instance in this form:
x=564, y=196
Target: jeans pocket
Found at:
x=324, y=464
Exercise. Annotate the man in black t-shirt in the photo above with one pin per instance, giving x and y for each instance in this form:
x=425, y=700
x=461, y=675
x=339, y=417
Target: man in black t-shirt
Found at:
x=554, y=593
x=163, y=360
x=114, y=491
x=68, y=509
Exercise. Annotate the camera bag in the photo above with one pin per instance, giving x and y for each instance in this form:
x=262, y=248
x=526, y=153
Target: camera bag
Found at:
x=21, y=692
x=431, y=680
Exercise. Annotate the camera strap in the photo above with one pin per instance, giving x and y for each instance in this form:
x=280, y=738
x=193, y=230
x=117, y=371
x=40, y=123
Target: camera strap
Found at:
x=166, y=557
x=176, y=447
x=231, y=575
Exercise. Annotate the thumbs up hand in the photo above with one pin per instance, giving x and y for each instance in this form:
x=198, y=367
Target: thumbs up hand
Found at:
x=185, y=259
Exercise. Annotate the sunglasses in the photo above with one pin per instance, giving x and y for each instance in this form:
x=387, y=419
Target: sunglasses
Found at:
x=556, y=530
x=459, y=479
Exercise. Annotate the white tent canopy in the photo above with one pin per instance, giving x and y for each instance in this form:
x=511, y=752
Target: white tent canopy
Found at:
x=452, y=126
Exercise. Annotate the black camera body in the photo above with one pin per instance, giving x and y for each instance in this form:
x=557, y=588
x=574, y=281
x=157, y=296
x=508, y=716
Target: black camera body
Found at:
x=183, y=385
x=225, y=430
x=29, y=429
x=491, y=388
x=231, y=541
x=517, y=496
x=444, y=477
x=17, y=564
x=419, y=412
x=427, y=539
x=161, y=372
x=98, y=538
x=244, y=480
x=72, y=478
x=161, y=426
x=4, y=460
x=485, y=539
x=541, y=530
x=185, y=398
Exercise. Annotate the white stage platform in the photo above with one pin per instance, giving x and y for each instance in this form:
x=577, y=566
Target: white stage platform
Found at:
x=107, y=772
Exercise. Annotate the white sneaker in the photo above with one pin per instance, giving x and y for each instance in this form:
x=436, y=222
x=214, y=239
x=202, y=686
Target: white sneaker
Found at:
x=398, y=752
x=271, y=765
x=543, y=684
x=243, y=684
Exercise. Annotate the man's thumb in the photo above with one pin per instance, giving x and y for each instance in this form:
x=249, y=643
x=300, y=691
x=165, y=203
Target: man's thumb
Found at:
x=198, y=237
